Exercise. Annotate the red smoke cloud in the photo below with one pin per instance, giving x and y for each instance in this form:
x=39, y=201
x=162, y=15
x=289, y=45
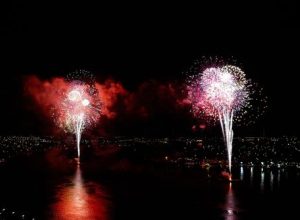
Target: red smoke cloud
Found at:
x=110, y=92
x=152, y=98
x=46, y=93
x=121, y=109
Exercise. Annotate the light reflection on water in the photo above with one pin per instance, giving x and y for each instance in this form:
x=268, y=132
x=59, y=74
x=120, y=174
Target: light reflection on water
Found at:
x=251, y=175
x=242, y=173
x=80, y=199
x=278, y=177
x=271, y=181
x=86, y=198
x=230, y=204
x=263, y=180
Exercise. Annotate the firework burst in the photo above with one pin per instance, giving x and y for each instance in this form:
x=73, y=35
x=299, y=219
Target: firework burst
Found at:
x=80, y=107
x=221, y=93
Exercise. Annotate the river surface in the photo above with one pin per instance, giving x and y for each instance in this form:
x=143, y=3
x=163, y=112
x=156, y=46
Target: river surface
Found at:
x=50, y=186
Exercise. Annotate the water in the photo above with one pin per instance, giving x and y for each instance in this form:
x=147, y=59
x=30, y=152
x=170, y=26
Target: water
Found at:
x=52, y=186
x=79, y=199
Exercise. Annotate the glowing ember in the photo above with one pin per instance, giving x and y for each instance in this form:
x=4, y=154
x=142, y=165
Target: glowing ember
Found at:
x=85, y=102
x=74, y=95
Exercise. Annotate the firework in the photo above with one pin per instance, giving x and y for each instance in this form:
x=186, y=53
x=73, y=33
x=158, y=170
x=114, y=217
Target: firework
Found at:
x=80, y=107
x=222, y=93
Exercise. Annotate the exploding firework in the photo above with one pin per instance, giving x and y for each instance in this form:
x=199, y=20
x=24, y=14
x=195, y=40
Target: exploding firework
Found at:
x=221, y=93
x=80, y=107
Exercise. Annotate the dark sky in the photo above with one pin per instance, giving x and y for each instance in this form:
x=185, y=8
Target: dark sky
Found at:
x=137, y=42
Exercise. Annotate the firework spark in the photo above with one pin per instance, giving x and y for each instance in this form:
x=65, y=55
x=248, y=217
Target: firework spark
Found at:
x=220, y=93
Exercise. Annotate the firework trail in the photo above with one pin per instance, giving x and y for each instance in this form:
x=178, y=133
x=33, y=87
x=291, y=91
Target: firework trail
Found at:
x=220, y=93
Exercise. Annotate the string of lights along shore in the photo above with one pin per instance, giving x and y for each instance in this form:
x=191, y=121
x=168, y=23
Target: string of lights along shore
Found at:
x=222, y=93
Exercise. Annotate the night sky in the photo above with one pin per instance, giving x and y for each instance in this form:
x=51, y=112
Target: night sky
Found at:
x=134, y=43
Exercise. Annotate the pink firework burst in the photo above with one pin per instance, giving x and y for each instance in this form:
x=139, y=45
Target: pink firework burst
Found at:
x=218, y=89
x=219, y=93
